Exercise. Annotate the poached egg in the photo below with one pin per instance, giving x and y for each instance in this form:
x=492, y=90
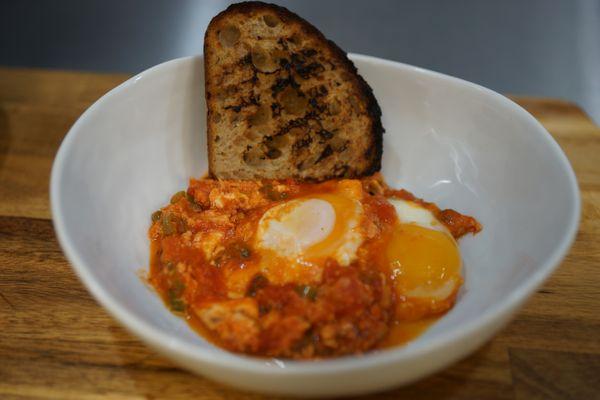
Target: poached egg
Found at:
x=424, y=260
x=297, y=236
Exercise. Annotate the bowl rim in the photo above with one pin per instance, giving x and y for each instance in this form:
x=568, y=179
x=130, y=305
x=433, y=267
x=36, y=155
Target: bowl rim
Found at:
x=215, y=356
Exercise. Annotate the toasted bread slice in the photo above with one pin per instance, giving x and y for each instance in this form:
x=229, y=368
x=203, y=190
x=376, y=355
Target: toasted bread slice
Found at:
x=283, y=101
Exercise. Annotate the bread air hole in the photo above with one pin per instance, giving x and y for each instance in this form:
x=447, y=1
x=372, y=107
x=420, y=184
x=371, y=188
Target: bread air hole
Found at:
x=229, y=36
x=292, y=102
x=270, y=20
x=263, y=60
x=253, y=156
x=273, y=153
x=295, y=39
x=224, y=93
x=253, y=134
x=280, y=141
x=260, y=117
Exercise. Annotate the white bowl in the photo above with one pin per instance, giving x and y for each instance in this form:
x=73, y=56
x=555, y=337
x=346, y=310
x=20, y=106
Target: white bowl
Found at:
x=447, y=140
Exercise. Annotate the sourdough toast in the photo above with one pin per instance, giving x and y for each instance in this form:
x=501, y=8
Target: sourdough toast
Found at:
x=283, y=101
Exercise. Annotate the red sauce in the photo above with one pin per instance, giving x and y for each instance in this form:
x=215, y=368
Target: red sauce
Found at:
x=204, y=266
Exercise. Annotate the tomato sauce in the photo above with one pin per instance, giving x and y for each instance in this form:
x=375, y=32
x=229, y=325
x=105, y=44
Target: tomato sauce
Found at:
x=205, y=266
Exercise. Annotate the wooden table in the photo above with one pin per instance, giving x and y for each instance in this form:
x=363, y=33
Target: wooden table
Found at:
x=56, y=342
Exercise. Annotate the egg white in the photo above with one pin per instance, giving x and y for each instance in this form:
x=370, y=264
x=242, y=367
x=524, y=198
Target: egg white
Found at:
x=292, y=227
x=313, y=228
x=409, y=212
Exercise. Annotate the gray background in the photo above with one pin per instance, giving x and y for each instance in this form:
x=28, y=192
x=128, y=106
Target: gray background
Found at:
x=531, y=47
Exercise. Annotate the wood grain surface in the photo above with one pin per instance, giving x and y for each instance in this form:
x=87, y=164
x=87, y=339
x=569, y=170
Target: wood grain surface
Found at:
x=57, y=343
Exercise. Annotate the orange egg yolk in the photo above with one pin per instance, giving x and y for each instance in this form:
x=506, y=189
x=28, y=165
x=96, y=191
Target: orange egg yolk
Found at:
x=345, y=212
x=425, y=267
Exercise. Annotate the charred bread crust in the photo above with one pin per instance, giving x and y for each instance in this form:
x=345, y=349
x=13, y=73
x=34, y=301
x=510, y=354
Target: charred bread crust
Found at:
x=374, y=151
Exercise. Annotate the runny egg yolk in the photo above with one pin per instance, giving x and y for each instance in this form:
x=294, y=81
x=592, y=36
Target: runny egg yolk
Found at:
x=295, y=237
x=425, y=264
x=423, y=261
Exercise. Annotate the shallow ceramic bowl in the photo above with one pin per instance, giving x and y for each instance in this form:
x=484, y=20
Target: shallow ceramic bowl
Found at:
x=447, y=140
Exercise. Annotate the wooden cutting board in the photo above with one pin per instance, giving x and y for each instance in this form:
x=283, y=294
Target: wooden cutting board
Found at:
x=57, y=343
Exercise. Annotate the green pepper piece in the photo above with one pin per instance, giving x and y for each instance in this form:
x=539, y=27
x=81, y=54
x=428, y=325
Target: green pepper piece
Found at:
x=156, y=215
